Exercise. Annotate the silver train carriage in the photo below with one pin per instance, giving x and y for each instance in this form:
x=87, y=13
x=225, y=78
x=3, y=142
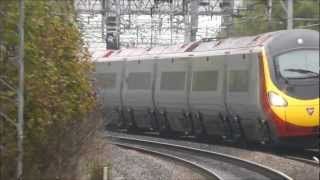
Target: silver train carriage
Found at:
x=260, y=88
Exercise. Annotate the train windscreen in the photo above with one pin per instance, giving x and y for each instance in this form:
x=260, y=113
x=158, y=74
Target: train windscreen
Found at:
x=300, y=64
x=297, y=73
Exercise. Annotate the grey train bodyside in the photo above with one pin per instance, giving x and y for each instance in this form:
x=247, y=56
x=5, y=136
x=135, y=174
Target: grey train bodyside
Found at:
x=166, y=94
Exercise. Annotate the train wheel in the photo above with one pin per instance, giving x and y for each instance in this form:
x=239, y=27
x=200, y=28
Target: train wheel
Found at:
x=131, y=125
x=164, y=126
x=122, y=123
x=164, y=130
x=154, y=121
x=200, y=135
x=131, y=128
x=200, y=131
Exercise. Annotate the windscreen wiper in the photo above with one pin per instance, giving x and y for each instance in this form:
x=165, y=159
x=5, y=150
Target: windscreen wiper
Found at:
x=303, y=71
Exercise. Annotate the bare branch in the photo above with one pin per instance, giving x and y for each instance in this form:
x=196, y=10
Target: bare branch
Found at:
x=284, y=6
x=10, y=100
x=308, y=26
x=7, y=84
x=2, y=13
x=9, y=120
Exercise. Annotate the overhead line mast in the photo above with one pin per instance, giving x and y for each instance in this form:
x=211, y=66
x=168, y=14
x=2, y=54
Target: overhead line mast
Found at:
x=290, y=14
x=20, y=92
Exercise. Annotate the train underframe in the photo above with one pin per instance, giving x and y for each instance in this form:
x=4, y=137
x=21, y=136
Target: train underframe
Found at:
x=229, y=129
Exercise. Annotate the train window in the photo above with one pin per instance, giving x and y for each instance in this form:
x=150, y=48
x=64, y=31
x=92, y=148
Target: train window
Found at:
x=106, y=80
x=204, y=81
x=172, y=80
x=238, y=81
x=139, y=80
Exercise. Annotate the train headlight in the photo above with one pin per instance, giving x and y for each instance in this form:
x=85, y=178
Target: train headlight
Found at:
x=300, y=41
x=277, y=100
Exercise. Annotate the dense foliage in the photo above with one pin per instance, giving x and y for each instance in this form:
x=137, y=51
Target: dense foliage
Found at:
x=255, y=19
x=58, y=91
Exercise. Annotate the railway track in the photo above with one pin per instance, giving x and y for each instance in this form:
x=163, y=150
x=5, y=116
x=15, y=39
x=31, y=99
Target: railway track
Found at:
x=306, y=156
x=214, y=165
x=310, y=161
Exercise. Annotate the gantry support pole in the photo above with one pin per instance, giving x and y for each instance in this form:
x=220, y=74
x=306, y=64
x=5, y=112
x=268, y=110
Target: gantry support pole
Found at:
x=228, y=20
x=186, y=20
x=117, y=3
x=289, y=14
x=103, y=19
x=20, y=92
x=194, y=12
x=269, y=10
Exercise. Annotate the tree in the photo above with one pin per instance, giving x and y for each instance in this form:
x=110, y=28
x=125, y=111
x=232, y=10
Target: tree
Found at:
x=58, y=89
x=255, y=19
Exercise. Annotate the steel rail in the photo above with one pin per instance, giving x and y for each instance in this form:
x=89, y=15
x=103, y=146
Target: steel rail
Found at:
x=209, y=173
x=305, y=156
x=249, y=165
x=304, y=160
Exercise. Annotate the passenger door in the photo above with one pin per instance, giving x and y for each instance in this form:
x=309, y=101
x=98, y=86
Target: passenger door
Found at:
x=206, y=96
x=171, y=91
x=242, y=91
x=138, y=91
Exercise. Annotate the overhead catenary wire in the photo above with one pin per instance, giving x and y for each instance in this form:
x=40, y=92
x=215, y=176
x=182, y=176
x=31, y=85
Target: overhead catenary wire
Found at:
x=161, y=27
x=172, y=24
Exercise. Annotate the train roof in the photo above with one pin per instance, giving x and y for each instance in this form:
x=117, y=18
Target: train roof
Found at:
x=237, y=45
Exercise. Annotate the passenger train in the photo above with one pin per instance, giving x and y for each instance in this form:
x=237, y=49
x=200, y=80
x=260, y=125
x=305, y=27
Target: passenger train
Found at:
x=263, y=88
